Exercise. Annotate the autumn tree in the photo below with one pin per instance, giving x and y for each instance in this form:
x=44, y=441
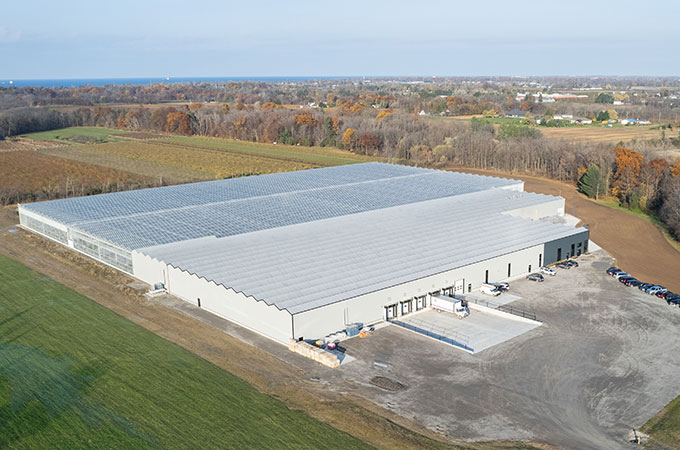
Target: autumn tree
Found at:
x=304, y=119
x=650, y=176
x=675, y=170
x=195, y=106
x=269, y=106
x=225, y=107
x=179, y=122
x=357, y=108
x=593, y=182
x=348, y=138
x=628, y=165
x=369, y=143
x=383, y=114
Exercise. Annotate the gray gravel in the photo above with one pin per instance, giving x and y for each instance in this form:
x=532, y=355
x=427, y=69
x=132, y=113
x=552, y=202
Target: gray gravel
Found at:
x=604, y=361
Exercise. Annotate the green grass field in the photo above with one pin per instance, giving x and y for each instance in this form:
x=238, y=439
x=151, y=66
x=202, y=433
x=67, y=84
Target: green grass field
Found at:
x=76, y=134
x=665, y=426
x=73, y=374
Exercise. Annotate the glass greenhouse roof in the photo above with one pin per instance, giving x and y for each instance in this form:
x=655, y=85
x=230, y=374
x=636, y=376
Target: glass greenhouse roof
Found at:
x=148, y=217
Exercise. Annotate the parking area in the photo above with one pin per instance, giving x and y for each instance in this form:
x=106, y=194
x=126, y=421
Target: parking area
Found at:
x=604, y=361
x=479, y=331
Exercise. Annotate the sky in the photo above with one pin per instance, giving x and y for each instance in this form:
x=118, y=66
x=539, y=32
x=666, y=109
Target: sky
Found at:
x=210, y=38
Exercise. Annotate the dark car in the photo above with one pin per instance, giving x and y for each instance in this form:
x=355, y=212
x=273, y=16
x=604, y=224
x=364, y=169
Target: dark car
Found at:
x=662, y=294
x=611, y=270
x=634, y=283
x=571, y=262
x=563, y=265
x=626, y=278
x=535, y=277
x=674, y=300
x=644, y=286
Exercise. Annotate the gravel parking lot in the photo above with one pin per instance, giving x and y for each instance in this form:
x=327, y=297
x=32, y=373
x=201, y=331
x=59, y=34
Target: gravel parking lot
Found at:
x=604, y=361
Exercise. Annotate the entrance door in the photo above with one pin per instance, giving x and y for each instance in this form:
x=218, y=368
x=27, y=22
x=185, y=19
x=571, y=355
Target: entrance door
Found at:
x=573, y=252
x=459, y=287
x=559, y=254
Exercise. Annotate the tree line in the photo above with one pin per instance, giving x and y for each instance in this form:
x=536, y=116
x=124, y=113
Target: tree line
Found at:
x=638, y=177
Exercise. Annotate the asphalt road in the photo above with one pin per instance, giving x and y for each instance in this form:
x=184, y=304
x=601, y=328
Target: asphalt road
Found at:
x=604, y=361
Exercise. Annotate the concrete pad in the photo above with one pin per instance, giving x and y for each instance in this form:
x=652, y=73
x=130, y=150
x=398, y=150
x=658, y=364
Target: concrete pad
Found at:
x=502, y=299
x=483, y=329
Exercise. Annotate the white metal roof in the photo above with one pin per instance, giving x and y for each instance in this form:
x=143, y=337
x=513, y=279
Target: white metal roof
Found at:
x=305, y=266
x=147, y=217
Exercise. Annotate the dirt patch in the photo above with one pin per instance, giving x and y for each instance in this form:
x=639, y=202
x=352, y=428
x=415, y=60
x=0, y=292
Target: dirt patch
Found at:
x=17, y=144
x=388, y=384
x=639, y=247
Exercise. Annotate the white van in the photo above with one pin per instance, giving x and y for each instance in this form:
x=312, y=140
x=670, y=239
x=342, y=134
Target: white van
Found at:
x=489, y=289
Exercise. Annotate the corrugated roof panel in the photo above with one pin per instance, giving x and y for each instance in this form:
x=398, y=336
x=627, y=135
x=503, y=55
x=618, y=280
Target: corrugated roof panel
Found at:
x=303, y=266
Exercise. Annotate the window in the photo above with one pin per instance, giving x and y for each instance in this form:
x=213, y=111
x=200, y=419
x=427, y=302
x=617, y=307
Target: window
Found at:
x=486, y=277
x=509, y=268
x=559, y=254
x=470, y=287
x=540, y=259
x=529, y=268
x=585, y=246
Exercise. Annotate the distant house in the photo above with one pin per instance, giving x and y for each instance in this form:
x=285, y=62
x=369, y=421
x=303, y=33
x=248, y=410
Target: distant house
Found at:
x=516, y=114
x=423, y=113
x=618, y=102
x=628, y=121
x=583, y=121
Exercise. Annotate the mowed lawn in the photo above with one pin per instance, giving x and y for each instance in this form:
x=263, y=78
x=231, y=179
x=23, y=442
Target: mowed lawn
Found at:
x=73, y=374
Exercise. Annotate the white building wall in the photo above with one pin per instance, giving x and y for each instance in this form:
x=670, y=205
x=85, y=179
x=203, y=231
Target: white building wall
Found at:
x=234, y=306
x=534, y=212
x=370, y=308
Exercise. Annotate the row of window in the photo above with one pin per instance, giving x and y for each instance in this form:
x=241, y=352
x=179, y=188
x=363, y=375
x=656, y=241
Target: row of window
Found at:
x=42, y=227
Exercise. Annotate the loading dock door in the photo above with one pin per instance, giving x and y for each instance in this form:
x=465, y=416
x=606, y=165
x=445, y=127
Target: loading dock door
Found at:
x=459, y=287
x=390, y=312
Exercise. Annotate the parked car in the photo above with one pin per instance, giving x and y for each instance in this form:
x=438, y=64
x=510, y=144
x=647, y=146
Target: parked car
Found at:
x=611, y=270
x=674, y=301
x=618, y=272
x=656, y=289
x=621, y=275
x=625, y=279
x=571, y=262
x=634, y=283
x=535, y=277
x=563, y=265
x=644, y=286
x=548, y=271
x=662, y=294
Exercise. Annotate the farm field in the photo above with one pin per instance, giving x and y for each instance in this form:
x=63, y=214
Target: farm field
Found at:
x=29, y=175
x=180, y=159
x=592, y=133
x=602, y=134
x=76, y=373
